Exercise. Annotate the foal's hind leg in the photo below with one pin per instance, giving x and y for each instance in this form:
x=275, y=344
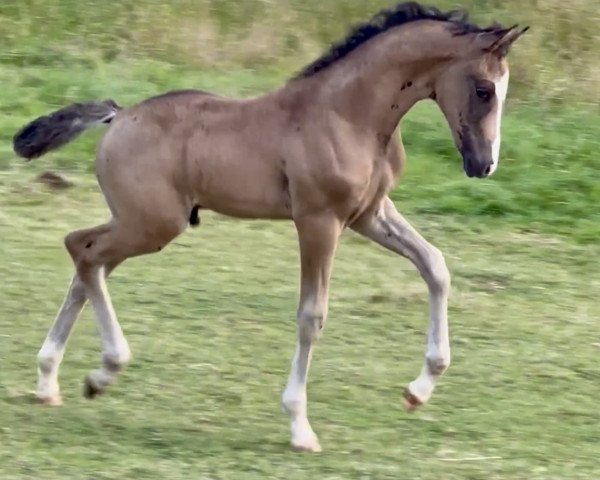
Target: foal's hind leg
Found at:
x=52, y=351
x=95, y=250
x=389, y=229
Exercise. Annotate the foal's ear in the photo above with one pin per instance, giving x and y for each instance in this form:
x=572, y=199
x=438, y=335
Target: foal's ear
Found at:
x=499, y=41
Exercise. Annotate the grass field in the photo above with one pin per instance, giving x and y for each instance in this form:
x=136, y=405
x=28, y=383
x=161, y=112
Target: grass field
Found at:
x=210, y=320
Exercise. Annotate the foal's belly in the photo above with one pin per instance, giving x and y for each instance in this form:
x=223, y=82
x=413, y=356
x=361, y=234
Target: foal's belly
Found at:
x=241, y=206
x=241, y=188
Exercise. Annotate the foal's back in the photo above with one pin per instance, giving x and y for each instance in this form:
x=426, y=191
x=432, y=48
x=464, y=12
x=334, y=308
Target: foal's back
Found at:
x=213, y=152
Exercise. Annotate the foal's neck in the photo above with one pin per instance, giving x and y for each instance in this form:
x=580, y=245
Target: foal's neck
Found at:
x=376, y=85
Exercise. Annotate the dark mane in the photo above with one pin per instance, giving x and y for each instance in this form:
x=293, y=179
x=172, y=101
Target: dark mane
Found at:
x=384, y=20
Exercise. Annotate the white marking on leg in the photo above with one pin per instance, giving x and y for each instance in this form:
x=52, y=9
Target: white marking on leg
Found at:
x=294, y=399
x=115, y=350
x=49, y=359
x=501, y=92
x=294, y=402
x=52, y=351
x=318, y=241
x=437, y=358
x=389, y=229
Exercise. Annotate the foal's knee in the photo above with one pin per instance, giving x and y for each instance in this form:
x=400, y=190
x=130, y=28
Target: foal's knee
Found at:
x=73, y=243
x=88, y=248
x=439, y=276
x=78, y=245
x=311, y=321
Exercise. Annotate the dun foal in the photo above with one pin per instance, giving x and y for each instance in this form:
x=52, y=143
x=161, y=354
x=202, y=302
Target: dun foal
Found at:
x=322, y=150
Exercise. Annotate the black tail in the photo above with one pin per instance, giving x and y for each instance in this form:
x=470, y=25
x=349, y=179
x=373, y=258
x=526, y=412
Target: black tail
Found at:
x=60, y=127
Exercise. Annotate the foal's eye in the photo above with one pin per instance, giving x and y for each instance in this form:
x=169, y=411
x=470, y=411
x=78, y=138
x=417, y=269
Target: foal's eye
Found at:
x=484, y=94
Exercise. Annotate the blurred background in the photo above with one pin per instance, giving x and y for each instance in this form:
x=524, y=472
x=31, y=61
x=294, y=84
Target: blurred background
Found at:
x=199, y=400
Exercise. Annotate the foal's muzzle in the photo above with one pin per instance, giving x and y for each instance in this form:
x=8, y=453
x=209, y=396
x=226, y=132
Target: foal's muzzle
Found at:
x=477, y=166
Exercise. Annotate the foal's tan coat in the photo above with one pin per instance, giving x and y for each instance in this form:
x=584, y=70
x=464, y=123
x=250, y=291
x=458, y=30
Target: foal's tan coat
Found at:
x=321, y=151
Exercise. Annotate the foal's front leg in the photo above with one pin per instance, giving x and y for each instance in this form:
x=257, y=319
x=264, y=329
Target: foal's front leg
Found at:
x=318, y=240
x=389, y=229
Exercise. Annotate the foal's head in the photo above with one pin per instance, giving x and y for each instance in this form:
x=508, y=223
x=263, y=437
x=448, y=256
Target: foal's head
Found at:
x=471, y=93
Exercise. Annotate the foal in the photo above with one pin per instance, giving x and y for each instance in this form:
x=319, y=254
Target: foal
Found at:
x=322, y=151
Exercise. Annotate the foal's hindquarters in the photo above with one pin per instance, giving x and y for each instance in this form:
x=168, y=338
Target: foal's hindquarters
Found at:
x=159, y=161
x=147, y=213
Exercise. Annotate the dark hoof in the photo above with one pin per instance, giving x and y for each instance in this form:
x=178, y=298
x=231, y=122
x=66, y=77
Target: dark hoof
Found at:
x=411, y=402
x=90, y=391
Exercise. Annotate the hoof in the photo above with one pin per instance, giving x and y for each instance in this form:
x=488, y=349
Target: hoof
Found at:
x=90, y=390
x=53, y=401
x=312, y=446
x=411, y=402
x=306, y=442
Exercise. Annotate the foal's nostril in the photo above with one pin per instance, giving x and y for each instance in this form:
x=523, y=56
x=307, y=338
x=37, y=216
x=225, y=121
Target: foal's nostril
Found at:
x=488, y=170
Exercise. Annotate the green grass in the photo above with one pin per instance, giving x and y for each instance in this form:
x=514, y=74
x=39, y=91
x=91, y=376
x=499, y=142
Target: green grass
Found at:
x=211, y=319
x=211, y=324
x=557, y=60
